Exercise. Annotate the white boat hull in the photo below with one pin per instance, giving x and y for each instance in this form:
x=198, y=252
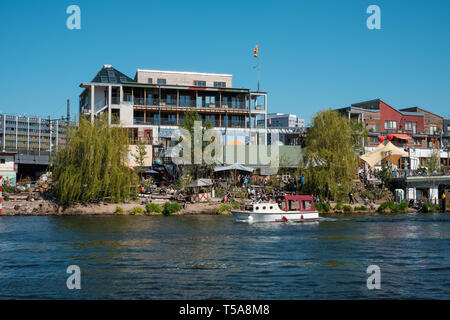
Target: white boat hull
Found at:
x=246, y=216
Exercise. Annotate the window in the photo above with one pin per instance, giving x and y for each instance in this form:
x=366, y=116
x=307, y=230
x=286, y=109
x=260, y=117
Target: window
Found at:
x=294, y=205
x=417, y=142
x=209, y=100
x=219, y=84
x=161, y=81
x=307, y=204
x=150, y=80
x=198, y=83
x=434, y=129
x=185, y=101
x=410, y=125
x=2, y=160
x=390, y=124
x=123, y=79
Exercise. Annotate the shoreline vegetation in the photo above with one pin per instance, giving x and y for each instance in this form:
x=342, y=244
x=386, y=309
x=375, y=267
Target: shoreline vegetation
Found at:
x=91, y=176
x=166, y=207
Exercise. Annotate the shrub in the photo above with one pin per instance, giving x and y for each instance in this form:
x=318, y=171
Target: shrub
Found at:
x=223, y=208
x=119, y=209
x=322, y=207
x=137, y=210
x=347, y=208
x=430, y=208
x=362, y=208
x=153, y=207
x=448, y=206
x=393, y=207
x=338, y=206
x=171, y=207
x=235, y=204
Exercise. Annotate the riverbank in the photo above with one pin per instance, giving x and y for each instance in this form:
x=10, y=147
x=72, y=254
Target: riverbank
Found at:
x=32, y=207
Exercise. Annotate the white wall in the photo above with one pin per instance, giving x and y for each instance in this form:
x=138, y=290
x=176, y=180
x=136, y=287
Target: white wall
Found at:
x=9, y=163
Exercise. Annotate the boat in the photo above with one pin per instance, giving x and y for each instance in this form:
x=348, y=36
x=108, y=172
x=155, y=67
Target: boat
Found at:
x=296, y=208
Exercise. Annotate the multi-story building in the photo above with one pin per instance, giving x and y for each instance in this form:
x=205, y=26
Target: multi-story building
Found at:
x=289, y=128
x=282, y=120
x=33, y=140
x=414, y=129
x=446, y=134
x=153, y=104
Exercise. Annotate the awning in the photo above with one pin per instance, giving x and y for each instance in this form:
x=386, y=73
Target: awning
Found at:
x=401, y=136
x=389, y=152
x=235, y=166
x=201, y=183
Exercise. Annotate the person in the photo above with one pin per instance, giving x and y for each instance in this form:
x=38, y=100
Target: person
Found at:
x=350, y=195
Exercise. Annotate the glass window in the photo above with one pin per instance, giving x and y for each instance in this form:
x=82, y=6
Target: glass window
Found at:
x=307, y=204
x=294, y=205
x=150, y=80
x=161, y=81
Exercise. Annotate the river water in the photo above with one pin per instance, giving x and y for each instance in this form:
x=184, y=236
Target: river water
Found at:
x=211, y=257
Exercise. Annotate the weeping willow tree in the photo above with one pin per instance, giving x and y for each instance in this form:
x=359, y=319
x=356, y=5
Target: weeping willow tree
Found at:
x=91, y=167
x=330, y=158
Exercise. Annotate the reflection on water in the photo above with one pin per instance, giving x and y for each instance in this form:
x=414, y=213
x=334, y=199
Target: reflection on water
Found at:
x=210, y=257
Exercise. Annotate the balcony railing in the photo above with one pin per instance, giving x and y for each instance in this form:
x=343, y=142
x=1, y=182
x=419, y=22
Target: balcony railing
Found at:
x=154, y=102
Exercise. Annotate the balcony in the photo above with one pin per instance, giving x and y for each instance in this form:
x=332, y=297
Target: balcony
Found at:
x=154, y=102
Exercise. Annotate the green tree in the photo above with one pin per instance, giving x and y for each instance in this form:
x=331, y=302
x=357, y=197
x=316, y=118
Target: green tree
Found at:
x=330, y=158
x=190, y=117
x=434, y=162
x=91, y=167
x=139, y=156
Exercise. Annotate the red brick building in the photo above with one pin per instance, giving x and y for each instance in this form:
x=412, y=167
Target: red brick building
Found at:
x=416, y=130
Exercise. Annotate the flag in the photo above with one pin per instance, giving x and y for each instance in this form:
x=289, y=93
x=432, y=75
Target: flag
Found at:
x=255, y=52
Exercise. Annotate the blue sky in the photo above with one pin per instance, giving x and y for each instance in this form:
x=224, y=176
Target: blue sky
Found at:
x=314, y=54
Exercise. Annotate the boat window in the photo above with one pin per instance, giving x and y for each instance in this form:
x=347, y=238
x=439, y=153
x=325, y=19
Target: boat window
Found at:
x=264, y=208
x=256, y=208
x=294, y=205
x=271, y=207
x=307, y=204
x=283, y=205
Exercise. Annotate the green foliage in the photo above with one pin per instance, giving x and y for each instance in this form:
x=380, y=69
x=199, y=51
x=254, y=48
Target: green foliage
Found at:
x=10, y=189
x=322, y=207
x=338, y=206
x=137, y=210
x=373, y=195
x=139, y=156
x=393, y=207
x=220, y=192
x=119, y=209
x=171, y=207
x=153, y=207
x=347, y=208
x=330, y=156
x=361, y=208
x=430, y=208
x=448, y=206
x=181, y=183
x=190, y=117
x=223, y=208
x=434, y=162
x=269, y=190
x=235, y=204
x=91, y=167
